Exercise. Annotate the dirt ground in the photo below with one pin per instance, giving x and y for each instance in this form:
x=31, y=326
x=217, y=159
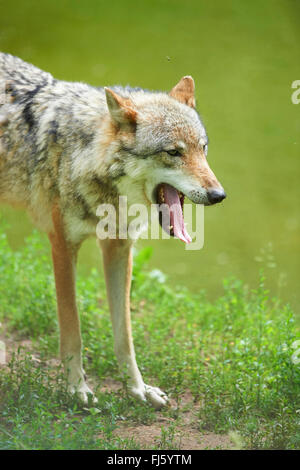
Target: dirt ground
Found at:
x=186, y=435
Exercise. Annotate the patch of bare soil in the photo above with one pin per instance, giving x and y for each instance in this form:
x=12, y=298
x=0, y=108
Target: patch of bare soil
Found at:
x=182, y=434
x=12, y=345
x=184, y=439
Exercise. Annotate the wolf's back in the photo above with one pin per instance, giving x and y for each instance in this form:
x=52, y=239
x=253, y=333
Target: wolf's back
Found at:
x=20, y=92
x=44, y=125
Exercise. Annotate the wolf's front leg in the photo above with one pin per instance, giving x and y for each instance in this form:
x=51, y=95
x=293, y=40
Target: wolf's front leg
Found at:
x=117, y=258
x=64, y=260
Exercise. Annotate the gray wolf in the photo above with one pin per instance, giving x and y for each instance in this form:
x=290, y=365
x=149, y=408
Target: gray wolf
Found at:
x=66, y=148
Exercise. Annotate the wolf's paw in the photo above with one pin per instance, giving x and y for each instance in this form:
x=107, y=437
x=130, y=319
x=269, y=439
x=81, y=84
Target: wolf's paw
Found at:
x=84, y=393
x=152, y=394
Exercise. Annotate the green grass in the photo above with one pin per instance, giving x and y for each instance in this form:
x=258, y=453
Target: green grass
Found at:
x=234, y=355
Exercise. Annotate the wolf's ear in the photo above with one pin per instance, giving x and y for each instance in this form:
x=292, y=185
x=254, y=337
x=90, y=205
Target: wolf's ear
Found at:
x=184, y=91
x=122, y=110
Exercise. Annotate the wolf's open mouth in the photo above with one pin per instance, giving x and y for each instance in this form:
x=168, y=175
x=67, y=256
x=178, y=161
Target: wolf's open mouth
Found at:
x=171, y=219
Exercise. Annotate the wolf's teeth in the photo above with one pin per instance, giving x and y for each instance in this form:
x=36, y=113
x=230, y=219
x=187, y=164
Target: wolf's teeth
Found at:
x=161, y=195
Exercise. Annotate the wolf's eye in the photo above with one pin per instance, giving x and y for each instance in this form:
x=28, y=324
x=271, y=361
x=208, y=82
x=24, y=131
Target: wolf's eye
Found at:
x=174, y=153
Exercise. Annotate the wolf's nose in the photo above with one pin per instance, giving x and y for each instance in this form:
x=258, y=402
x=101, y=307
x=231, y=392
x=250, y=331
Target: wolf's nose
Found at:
x=216, y=195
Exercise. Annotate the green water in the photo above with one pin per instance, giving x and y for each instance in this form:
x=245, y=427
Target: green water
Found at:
x=244, y=56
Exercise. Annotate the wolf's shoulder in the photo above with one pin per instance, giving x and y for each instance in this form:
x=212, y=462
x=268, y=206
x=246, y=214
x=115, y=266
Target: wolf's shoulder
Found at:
x=21, y=72
x=26, y=84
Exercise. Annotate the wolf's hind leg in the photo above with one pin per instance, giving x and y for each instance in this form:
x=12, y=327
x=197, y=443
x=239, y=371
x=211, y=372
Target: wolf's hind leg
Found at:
x=117, y=259
x=64, y=262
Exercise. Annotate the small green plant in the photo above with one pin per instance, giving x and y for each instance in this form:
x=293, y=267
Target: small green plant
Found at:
x=168, y=438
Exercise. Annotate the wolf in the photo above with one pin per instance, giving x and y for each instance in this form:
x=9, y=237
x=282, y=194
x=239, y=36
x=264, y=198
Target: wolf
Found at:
x=66, y=148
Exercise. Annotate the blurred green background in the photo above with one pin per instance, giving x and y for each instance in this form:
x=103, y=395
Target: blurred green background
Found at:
x=244, y=56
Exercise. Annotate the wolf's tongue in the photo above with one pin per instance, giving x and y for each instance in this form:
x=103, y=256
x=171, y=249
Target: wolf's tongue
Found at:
x=176, y=216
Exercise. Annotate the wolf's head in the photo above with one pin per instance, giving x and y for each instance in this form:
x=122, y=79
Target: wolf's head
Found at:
x=163, y=148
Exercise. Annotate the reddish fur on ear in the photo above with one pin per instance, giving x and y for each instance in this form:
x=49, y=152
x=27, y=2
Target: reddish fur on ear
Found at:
x=184, y=91
x=122, y=110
